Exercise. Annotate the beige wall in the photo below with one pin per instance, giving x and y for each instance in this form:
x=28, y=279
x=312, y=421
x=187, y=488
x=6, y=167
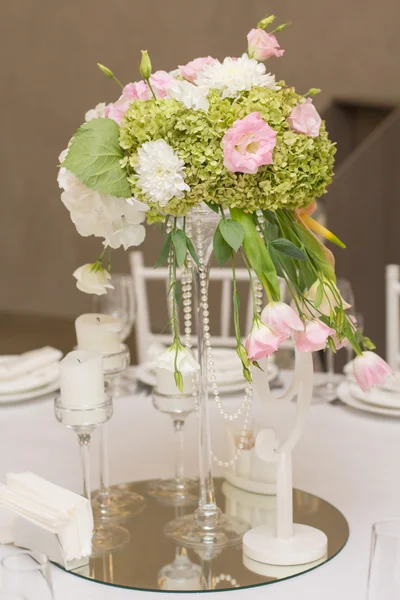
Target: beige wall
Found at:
x=350, y=48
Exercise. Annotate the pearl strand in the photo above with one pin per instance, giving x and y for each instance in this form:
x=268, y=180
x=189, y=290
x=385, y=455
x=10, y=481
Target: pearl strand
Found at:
x=245, y=406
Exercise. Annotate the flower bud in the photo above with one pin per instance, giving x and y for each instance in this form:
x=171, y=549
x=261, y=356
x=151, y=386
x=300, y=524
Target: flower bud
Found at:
x=280, y=27
x=263, y=24
x=105, y=70
x=145, y=65
x=313, y=92
x=178, y=380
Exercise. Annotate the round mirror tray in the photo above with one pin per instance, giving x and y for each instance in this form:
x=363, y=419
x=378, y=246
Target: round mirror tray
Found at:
x=150, y=561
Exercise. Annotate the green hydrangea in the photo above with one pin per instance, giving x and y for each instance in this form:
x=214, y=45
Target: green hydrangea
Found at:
x=300, y=173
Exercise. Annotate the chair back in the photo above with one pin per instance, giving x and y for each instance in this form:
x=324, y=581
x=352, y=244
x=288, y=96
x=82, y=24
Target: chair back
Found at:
x=392, y=316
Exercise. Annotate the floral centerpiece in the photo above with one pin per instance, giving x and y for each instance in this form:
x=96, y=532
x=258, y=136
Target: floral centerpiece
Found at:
x=252, y=149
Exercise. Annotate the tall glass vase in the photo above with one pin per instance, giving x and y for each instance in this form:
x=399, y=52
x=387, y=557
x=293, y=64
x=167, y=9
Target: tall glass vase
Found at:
x=208, y=526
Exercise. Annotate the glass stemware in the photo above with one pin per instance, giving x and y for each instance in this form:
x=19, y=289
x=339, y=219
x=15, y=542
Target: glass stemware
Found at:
x=208, y=527
x=327, y=391
x=180, y=490
x=384, y=565
x=84, y=420
x=113, y=502
x=24, y=574
x=120, y=303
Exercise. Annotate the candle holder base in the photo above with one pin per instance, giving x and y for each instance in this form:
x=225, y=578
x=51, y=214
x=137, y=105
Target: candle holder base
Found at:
x=175, y=492
x=186, y=532
x=118, y=504
x=108, y=538
x=306, y=545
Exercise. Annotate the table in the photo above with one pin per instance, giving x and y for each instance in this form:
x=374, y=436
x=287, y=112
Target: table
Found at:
x=349, y=458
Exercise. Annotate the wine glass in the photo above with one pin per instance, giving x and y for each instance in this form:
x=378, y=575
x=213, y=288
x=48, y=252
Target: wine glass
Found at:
x=327, y=391
x=179, y=490
x=384, y=565
x=26, y=575
x=120, y=303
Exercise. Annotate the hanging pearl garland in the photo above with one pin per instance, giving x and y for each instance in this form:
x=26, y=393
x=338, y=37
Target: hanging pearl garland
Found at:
x=245, y=406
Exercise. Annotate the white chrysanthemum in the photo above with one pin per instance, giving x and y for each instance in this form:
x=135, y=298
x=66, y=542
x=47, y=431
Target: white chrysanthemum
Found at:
x=116, y=220
x=160, y=172
x=235, y=75
x=98, y=112
x=192, y=96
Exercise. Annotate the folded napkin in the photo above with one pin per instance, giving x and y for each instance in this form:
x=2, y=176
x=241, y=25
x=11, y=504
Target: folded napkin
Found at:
x=53, y=509
x=31, y=381
x=23, y=364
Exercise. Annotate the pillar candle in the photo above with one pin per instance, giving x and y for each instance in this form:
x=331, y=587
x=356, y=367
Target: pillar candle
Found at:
x=98, y=333
x=82, y=380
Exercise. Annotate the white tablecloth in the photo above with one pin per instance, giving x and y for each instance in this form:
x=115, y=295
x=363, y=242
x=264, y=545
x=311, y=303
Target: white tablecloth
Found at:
x=349, y=458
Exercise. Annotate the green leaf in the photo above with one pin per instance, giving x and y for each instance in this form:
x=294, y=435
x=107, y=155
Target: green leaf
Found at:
x=271, y=231
x=319, y=296
x=179, y=240
x=214, y=206
x=232, y=232
x=315, y=248
x=222, y=250
x=178, y=293
x=270, y=216
x=286, y=247
x=94, y=157
x=274, y=257
x=192, y=251
x=165, y=250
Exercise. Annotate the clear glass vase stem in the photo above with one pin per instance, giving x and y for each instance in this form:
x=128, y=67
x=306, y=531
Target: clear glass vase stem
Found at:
x=330, y=366
x=104, y=464
x=179, y=448
x=84, y=448
x=207, y=513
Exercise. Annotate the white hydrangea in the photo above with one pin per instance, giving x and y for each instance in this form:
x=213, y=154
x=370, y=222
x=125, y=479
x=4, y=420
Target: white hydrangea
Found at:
x=192, y=96
x=98, y=112
x=116, y=220
x=160, y=172
x=235, y=75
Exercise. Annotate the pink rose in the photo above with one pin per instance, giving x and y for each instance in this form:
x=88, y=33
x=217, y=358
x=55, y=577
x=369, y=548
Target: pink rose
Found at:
x=304, y=118
x=196, y=66
x=262, y=341
x=282, y=319
x=313, y=337
x=137, y=91
x=370, y=369
x=248, y=144
x=160, y=82
x=262, y=45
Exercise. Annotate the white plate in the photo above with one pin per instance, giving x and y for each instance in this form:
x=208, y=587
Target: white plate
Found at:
x=376, y=397
x=344, y=395
x=145, y=375
x=31, y=394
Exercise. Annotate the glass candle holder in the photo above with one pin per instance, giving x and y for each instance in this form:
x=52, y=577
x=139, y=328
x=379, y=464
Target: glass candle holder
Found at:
x=84, y=420
x=179, y=490
x=113, y=502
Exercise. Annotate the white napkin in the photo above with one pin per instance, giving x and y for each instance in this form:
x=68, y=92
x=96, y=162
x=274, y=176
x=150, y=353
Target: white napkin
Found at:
x=52, y=508
x=23, y=364
x=31, y=381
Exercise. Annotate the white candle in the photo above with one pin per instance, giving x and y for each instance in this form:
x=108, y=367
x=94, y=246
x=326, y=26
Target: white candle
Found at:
x=166, y=383
x=82, y=380
x=98, y=333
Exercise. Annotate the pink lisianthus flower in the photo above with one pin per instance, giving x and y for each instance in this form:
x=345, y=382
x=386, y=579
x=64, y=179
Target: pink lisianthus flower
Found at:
x=313, y=337
x=139, y=90
x=370, y=369
x=304, y=118
x=248, y=144
x=281, y=318
x=160, y=82
x=262, y=341
x=262, y=45
x=196, y=66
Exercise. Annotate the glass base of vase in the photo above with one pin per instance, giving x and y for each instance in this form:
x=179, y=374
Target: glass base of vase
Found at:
x=182, y=575
x=108, y=538
x=175, y=492
x=119, y=504
x=228, y=531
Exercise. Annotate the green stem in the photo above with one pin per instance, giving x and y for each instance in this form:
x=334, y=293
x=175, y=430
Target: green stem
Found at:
x=151, y=89
x=118, y=82
x=236, y=304
x=253, y=296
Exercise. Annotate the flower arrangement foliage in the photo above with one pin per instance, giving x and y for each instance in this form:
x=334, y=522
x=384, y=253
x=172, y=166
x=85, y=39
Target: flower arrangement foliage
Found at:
x=257, y=153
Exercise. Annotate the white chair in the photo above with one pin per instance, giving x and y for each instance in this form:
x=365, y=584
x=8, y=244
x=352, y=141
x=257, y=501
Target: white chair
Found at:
x=392, y=316
x=145, y=337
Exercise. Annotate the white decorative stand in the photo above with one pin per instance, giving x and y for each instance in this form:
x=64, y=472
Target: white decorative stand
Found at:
x=286, y=543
